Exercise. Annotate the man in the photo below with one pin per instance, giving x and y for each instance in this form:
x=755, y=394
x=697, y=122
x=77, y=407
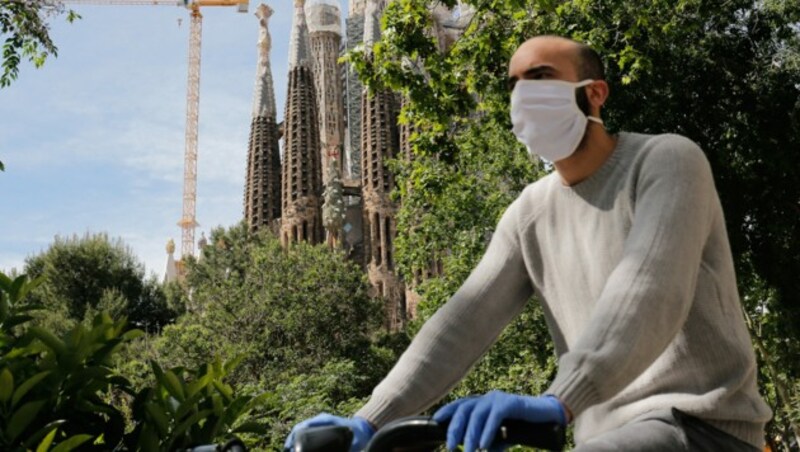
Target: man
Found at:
x=626, y=248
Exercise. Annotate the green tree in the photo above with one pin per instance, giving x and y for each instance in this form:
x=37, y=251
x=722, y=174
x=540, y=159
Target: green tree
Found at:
x=300, y=320
x=724, y=73
x=82, y=273
x=285, y=311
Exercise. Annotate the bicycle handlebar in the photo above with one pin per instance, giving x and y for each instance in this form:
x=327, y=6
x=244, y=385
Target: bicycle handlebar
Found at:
x=422, y=434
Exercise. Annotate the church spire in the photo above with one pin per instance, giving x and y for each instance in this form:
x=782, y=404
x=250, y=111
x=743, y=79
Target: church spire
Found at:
x=299, y=48
x=379, y=144
x=301, y=173
x=372, y=23
x=262, y=191
x=325, y=32
x=264, y=99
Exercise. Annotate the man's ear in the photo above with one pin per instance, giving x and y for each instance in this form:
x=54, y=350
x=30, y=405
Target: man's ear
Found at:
x=597, y=93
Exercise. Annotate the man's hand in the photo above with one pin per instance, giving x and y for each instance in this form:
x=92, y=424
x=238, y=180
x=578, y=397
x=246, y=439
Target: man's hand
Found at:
x=475, y=420
x=362, y=430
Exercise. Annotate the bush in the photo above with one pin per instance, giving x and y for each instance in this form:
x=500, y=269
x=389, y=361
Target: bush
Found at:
x=54, y=391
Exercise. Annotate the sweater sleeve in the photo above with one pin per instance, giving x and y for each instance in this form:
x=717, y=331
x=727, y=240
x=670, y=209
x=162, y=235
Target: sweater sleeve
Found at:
x=648, y=295
x=459, y=333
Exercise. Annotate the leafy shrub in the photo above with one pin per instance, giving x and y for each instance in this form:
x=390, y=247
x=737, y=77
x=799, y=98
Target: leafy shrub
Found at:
x=54, y=390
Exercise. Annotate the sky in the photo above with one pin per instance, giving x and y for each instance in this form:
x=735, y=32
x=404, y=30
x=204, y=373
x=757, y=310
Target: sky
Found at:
x=94, y=140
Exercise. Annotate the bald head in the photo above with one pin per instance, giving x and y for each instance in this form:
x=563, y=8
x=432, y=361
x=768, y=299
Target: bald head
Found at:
x=557, y=57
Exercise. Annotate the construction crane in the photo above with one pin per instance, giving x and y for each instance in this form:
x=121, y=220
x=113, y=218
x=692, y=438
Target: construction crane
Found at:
x=188, y=222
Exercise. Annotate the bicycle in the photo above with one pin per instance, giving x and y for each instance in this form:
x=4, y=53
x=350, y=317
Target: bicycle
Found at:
x=422, y=434
x=410, y=434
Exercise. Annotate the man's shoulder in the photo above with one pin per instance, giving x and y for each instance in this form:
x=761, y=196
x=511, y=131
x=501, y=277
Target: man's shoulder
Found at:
x=668, y=157
x=667, y=152
x=531, y=200
x=664, y=145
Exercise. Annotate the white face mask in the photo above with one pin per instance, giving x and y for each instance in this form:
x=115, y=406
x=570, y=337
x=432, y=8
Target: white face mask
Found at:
x=546, y=117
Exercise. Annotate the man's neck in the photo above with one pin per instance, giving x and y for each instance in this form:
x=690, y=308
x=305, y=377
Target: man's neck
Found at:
x=595, y=148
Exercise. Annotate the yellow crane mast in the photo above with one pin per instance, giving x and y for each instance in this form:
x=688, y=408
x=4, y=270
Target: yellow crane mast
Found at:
x=188, y=221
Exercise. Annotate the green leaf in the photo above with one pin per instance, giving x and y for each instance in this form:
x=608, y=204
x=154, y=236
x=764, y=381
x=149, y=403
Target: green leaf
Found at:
x=252, y=427
x=16, y=320
x=4, y=306
x=44, y=446
x=234, y=410
x=27, y=385
x=42, y=432
x=187, y=405
x=159, y=418
x=193, y=386
x=190, y=421
x=27, y=288
x=173, y=385
x=22, y=418
x=148, y=439
x=5, y=282
x=6, y=384
x=16, y=286
x=224, y=389
x=132, y=334
x=49, y=340
x=71, y=443
x=258, y=400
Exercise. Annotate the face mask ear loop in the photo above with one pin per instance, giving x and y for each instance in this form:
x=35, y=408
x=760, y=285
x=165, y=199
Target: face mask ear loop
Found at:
x=582, y=84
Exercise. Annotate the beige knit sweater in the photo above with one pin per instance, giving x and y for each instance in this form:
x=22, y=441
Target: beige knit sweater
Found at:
x=634, y=271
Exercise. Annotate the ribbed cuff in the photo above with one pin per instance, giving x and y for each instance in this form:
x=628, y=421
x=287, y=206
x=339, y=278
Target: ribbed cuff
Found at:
x=575, y=391
x=378, y=412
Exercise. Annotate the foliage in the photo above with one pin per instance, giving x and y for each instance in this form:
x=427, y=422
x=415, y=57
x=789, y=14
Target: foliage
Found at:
x=54, y=391
x=24, y=23
x=300, y=320
x=85, y=273
x=284, y=311
x=724, y=73
x=52, y=387
x=776, y=373
x=190, y=408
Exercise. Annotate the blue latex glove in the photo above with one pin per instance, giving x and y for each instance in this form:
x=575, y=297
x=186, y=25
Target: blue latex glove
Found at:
x=362, y=430
x=475, y=420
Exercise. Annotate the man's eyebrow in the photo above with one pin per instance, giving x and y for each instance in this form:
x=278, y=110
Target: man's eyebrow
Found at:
x=530, y=73
x=538, y=70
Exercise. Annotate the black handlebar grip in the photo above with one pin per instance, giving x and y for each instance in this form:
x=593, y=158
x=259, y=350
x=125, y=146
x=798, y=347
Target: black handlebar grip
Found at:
x=422, y=434
x=323, y=439
x=549, y=436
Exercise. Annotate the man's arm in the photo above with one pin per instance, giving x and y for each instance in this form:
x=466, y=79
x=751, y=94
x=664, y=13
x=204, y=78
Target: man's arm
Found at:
x=647, y=297
x=459, y=333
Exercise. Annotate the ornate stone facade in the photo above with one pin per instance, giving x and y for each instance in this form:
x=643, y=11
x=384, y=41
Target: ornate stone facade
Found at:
x=379, y=143
x=352, y=88
x=262, y=194
x=324, y=24
x=301, y=173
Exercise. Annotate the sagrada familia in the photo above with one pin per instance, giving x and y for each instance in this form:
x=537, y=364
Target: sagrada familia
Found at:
x=321, y=175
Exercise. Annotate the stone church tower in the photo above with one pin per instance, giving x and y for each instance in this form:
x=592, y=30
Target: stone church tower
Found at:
x=262, y=194
x=380, y=142
x=324, y=25
x=301, y=172
x=354, y=35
